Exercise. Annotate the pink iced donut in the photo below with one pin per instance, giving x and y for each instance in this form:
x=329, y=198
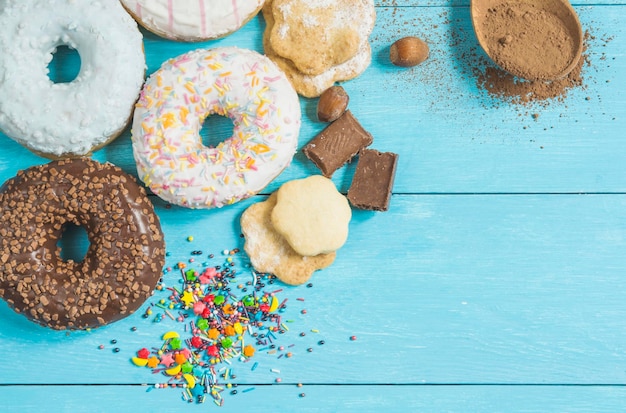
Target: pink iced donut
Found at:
x=193, y=20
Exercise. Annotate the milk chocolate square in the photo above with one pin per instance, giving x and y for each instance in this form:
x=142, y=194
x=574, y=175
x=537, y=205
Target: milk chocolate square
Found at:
x=337, y=144
x=373, y=180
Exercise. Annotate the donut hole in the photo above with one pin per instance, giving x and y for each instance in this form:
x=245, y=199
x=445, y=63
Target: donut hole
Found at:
x=216, y=129
x=73, y=243
x=65, y=64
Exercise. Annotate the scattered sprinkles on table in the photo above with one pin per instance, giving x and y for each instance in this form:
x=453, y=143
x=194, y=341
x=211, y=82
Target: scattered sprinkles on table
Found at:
x=227, y=317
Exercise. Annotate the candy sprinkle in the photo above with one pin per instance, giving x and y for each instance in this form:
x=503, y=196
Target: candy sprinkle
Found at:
x=225, y=317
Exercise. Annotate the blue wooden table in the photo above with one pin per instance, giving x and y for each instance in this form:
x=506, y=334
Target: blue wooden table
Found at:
x=495, y=282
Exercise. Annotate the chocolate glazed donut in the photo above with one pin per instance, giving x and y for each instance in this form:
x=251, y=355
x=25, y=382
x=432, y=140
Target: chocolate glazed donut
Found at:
x=124, y=260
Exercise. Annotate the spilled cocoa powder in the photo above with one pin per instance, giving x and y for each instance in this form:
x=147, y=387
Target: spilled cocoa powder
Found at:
x=528, y=41
x=504, y=85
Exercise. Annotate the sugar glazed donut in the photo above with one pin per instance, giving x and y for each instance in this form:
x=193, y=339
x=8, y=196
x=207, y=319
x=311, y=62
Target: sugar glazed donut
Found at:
x=193, y=20
x=125, y=255
x=58, y=120
x=240, y=84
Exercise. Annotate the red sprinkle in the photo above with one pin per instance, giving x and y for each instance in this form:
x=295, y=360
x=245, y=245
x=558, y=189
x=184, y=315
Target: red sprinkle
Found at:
x=144, y=353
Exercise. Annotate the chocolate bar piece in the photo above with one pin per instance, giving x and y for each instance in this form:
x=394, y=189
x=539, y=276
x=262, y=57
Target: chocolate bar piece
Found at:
x=337, y=144
x=373, y=180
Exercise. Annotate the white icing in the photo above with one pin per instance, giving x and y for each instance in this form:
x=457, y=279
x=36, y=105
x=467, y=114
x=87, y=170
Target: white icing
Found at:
x=193, y=20
x=241, y=84
x=59, y=119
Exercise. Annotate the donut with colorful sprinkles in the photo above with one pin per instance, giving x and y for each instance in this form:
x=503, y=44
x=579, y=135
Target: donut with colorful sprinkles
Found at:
x=240, y=84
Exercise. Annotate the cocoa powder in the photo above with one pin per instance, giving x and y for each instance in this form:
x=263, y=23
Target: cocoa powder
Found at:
x=502, y=84
x=528, y=41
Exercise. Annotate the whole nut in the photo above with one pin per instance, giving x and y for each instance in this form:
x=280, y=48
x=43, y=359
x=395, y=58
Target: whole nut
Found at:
x=332, y=104
x=408, y=51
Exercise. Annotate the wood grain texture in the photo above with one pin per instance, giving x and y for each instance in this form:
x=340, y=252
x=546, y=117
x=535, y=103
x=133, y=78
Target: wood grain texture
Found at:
x=465, y=3
x=440, y=289
x=495, y=282
x=317, y=399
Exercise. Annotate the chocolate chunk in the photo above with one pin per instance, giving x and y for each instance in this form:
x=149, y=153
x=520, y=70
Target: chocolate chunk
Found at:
x=337, y=144
x=373, y=180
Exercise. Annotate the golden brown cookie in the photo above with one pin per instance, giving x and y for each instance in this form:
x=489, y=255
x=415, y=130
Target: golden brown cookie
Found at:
x=312, y=86
x=318, y=35
x=312, y=215
x=270, y=253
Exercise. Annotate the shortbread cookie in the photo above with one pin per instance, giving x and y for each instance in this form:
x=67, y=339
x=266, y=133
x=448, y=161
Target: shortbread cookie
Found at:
x=313, y=86
x=318, y=35
x=270, y=253
x=312, y=215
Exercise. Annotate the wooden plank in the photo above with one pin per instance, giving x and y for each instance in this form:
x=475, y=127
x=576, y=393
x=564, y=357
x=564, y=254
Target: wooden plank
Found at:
x=465, y=3
x=347, y=399
x=451, y=135
x=441, y=289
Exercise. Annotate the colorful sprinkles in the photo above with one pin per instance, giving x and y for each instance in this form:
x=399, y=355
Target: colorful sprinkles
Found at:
x=240, y=84
x=227, y=317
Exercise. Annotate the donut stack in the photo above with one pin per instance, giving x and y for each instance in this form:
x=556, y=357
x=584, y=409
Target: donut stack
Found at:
x=318, y=43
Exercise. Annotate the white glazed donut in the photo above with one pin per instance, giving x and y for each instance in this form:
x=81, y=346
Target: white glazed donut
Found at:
x=68, y=119
x=238, y=83
x=193, y=20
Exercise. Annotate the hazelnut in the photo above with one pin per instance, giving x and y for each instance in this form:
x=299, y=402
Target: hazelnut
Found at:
x=408, y=51
x=332, y=104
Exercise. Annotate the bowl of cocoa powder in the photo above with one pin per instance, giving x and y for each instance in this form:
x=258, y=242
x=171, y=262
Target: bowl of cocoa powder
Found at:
x=531, y=39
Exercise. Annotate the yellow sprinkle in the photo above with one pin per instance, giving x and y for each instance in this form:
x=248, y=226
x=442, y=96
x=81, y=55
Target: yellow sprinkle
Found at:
x=168, y=120
x=146, y=128
x=183, y=114
x=260, y=148
x=190, y=88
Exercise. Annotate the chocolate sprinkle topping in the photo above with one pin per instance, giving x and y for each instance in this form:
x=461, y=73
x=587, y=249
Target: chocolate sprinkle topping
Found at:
x=125, y=256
